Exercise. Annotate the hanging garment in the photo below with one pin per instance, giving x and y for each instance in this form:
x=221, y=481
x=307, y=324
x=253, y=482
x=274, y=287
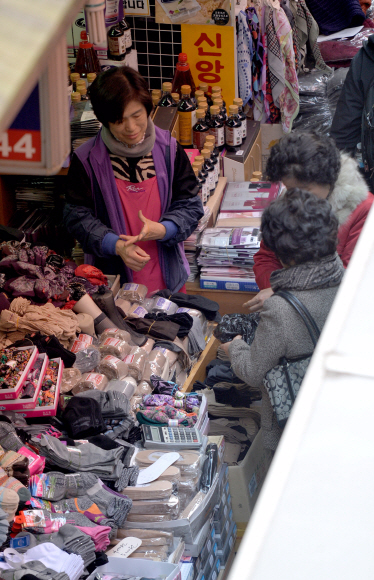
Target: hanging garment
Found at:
x=245, y=54
x=335, y=15
x=308, y=31
x=275, y=76
x=257, y=63
x=289, y=97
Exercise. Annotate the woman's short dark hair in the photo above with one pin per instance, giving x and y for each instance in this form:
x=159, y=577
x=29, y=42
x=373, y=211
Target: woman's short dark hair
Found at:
x=300, y=227
x=112, y=91
x=306, y=157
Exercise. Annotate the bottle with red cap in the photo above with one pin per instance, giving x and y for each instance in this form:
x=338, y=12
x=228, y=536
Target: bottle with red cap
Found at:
x=183, y=75
x=87, y=61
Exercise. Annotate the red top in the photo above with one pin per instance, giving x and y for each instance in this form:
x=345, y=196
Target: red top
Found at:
x=136, y=196
x=266, y=262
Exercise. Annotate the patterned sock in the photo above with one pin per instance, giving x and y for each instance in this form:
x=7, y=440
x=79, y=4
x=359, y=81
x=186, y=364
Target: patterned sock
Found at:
x=15, y=485
x=9, y=438
x=111, y=504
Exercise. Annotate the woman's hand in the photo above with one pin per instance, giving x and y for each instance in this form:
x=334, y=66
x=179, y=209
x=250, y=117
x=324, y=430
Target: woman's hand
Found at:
x=256, y=304
x=150, y=231
x=225, y=346
x=134, y=257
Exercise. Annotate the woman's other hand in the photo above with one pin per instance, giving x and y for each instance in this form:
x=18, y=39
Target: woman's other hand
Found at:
x=150, y=231
x=256, y=304
x=134, y=257
x=225, y=346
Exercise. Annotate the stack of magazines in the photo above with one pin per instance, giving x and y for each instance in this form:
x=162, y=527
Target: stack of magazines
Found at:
x=226, y=258
x=83, y=123
x=191, y=249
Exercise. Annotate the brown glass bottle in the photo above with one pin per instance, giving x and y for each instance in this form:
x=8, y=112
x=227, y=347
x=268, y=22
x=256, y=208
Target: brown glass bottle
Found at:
x=204, y=87
x=203, y=177
x=199, y=130
x=217, y=129
x=187, y=117
x=233, y=129
x=166, y=99
x=242, y=116
x=125, y=26
x=116, y=43
x=183, y=76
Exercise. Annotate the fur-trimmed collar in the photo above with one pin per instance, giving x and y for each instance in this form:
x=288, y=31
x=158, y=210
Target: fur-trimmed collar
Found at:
x=349, y=191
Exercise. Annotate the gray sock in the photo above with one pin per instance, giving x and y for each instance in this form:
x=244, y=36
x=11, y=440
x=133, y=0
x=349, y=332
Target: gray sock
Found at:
x=112, y=505
x=77, y=484
x=9, y=438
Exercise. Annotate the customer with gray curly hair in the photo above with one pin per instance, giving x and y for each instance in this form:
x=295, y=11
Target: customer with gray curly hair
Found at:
x=301, y=229
x=313, y=163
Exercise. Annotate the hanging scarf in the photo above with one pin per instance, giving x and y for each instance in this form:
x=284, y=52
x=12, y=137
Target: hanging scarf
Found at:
x=144, y=147
x=289, y=97
x=308, y=32
x=257, y=62
x=245, y=54
x=326, y=273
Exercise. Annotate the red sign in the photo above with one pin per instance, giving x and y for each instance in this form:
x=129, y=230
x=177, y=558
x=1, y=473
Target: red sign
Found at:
x=21, y=145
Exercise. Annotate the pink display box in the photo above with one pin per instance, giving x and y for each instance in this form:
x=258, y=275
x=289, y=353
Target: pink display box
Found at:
x=16, y=404
x=49, y=410
x=14, y=393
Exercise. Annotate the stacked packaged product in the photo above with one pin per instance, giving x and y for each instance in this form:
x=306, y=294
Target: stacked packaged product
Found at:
x=191, y=245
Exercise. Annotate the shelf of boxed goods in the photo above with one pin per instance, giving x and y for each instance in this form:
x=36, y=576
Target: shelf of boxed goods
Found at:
x=229, y=302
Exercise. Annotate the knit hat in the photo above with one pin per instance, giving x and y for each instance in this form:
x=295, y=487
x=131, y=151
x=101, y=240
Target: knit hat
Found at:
x=15, y=484
x=82, y=417
x=9, y=502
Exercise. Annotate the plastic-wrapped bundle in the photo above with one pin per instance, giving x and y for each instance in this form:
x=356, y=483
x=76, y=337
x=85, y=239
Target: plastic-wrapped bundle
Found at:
x=170, y=354
x=156, y=507
x=148, y=303
x=127, y=386
x=115, y=333
x=164, y=305
x=189, y=462
x=148, y=537
x=115, y=347
x=123, y=306
x=159, y=489
x=141, y=518
x=135, y=403
x=143, y=388
x=136, y=361
x=90, y=381
x=155, y=365
x=86, y=360
x=70, y=378
x=233, y=324
x=133, y=292
x=157, y=554
x=148, y=345
x=137, y=311
x=113, y=367
x=82, y=342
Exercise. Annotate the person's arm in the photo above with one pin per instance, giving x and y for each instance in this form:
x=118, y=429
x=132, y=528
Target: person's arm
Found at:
x=354, y=227
x=265, y=263
x=346, y=124
x=251, y=363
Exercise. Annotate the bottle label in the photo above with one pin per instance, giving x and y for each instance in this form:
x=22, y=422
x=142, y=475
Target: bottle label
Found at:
x=244, y=128
x=219, y=135
x=233, y=136
x=204, y=191
x=117, y=46
x=128, y=39
x=212, y=181
x=70, y=90
x=185, y=127
x=216, y=172
x=199, y=139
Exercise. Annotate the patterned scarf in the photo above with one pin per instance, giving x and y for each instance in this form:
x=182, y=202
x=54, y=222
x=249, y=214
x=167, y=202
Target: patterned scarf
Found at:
x=245, y=54
x=326, y=273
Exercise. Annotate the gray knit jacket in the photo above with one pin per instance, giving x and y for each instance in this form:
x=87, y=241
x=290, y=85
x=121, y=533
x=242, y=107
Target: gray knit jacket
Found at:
x=281, y=332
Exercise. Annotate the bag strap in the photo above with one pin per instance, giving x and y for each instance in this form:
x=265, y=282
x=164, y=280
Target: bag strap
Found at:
x=303, y=312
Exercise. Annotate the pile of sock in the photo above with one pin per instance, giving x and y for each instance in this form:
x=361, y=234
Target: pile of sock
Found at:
x=15, y=465
x=4, y=526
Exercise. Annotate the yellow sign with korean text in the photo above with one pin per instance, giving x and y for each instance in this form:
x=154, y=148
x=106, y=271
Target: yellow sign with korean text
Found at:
x=211, y=56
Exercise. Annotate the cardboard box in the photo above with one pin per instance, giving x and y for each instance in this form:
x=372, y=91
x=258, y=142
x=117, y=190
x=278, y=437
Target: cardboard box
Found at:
x=116, y=284
x=240, y=165
x=246, y=479
x=270, y=135
x=19, y=404
x=50, y=410
x=167, y=118
x=13, y=393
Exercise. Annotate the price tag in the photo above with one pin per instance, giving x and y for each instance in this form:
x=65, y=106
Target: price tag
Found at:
x=125, y=547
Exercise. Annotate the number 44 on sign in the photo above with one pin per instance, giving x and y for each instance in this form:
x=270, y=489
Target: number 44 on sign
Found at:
x=19, y=145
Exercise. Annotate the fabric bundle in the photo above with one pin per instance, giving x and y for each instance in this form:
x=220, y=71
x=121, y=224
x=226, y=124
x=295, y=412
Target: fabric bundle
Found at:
x=334, y=15
x=115, y=410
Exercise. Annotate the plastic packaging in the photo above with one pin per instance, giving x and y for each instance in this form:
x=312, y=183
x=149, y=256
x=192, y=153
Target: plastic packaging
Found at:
x=172, y=474
x=87, y=359
x=148, y=345
x=115, y=333
x=143, y=388
x=82, y=342
x=115, y=347
x=159, y=489
x=156, y=553
x=148, y=518
x=163, y=305
x=189, y=462
x=148, y=304
x=155, y=365
x=136, y=361
x=135, y=403
x=209, y=467
x=169, y=354
x=70, y=377
x=155, y=507
x=148, y=537
x=127, y=386
x=137, y=311
x=90, y=381
x=113, y=367
x=133, y=292
x=233, y=324
x=123, y=306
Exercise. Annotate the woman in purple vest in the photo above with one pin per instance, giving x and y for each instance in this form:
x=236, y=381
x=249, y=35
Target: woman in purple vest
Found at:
x=132, y=194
